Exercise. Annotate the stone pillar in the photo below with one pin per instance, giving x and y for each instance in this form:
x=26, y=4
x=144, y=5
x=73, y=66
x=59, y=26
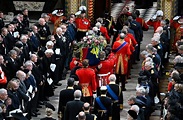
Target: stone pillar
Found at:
x=72, y=6
x=169, y=7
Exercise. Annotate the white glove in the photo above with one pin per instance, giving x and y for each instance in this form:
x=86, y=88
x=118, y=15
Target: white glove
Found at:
x=153, y=17
x=176, y=17
x=94, y=95
x=99, y=66
x=75, y=62
x=54, y=12
x=78, y=13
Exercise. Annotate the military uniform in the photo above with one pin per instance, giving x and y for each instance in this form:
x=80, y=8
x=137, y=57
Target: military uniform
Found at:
x=159, y=50
x=117, y=98
x=56, y=20
x=103, y=73
x=104, y=32
x=142, y=23
x=87, y=81
x=106, y=112
x=82, y=25
x=155, y=24
x=44, y=32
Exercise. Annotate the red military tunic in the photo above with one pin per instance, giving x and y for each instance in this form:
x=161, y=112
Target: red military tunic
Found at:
x=56, y=20
x=142, y=23
x=104, y=32
x=87, y=81
x=155, y=24
x=103, y=73
x=82, y=24
x=72, y=65
x=178, y=32
x=122, y=56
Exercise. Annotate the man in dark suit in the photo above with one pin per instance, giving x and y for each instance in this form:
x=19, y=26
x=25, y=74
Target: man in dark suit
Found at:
x=115, y=93
x=3, y=41
x=3, y=97
x=73, y=107
x=10, y=38
x=44, y=31
x=1, y=20
x=11, y=63
x=62, y=44
x=103, y=105
x=66, y=95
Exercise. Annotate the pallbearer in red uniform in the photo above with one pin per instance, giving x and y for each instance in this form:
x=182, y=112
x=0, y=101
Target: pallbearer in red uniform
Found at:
x=82, y=23
x=141, y=21
x=103, y=70
x=56, y=17
x=103, y=30
x=87, y=81
x=75, y=61
x=177, y=25
x=122, y=52
x=155, y=21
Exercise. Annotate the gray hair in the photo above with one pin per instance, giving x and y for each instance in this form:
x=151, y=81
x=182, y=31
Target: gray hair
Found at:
x=144, y=52
x=132, y=97
x=149, y=63
x=33, y=55
x=149, y=59
x=77, y=94
x=49, y=43
x=20, y=74
x=135, y=108
x=112, y=77
x=178, y=59
x=58, y=29
x=141, y=90
x=12, y=52
x=28, y=63
x=3, y=91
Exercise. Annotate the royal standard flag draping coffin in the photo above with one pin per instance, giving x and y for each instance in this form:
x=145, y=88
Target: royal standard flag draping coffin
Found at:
x=91, y=54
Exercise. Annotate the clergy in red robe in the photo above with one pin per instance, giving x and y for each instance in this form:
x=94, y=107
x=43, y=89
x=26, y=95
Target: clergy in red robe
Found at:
x=122, y=51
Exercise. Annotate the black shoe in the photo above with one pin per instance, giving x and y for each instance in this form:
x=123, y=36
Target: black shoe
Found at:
x=58, y=84
x=39, y=106
x=124, y=89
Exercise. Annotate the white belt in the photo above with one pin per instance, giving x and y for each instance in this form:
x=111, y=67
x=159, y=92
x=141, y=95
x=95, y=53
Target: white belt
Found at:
x=101, y=75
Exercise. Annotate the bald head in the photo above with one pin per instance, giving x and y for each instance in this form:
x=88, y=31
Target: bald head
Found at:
x=86, y=106
x=42, y=21
x=81, y=116
x=20, y=75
